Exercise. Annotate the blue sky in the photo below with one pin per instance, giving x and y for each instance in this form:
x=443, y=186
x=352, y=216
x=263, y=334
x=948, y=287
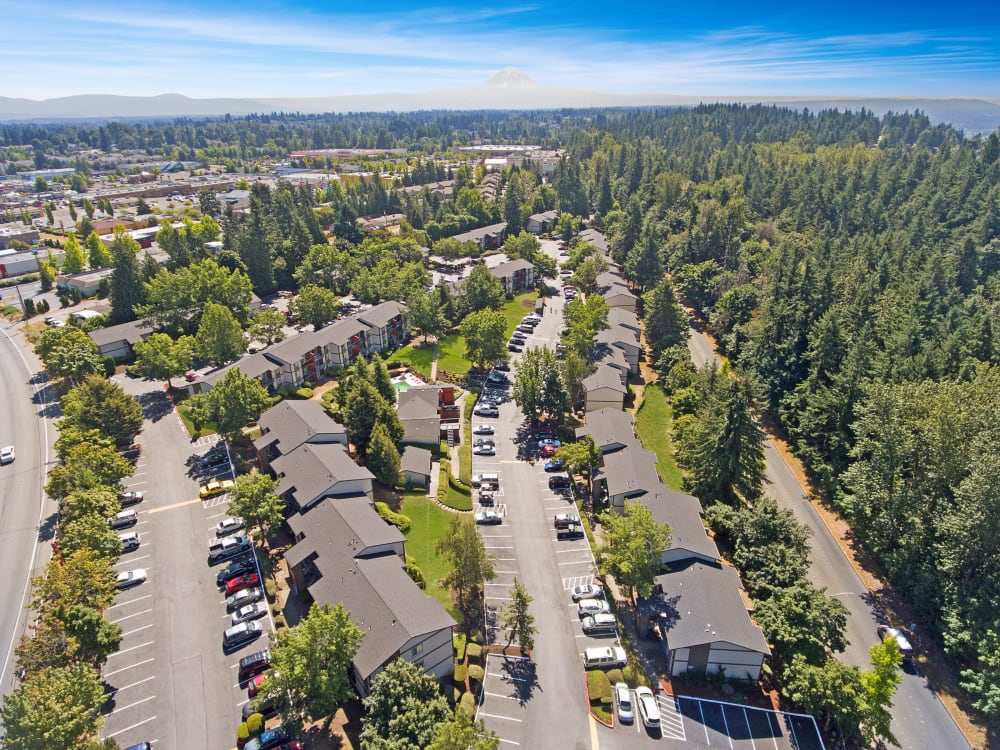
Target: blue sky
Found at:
x=316, y=48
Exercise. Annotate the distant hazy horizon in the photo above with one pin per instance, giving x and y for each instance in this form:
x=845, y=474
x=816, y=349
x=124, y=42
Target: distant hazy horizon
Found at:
x=309, y=48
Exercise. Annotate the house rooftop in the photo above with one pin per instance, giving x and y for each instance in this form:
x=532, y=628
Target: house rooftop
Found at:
x=510, y=267
x=130, y=332
x=293, y=422
x=309, y=471
x=338, y=528
x=683, y=513
x=418, y=402
x=382, y=314
x=252, y=366
x=475, y=235
x=608, y=427
x=415, y=460
x=704, y=604
x=605, y=376
x=631, y=472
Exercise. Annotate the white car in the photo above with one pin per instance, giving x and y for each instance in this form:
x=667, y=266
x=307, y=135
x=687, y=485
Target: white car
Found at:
x=228, y=525
x=623, y=699
x=648, y=709
x=488, y=517
x=249, y=612
x=7, y=455
x=483, y=429
x=587, y=591
x=131, y=578
x=592, y=607
x=484, y=450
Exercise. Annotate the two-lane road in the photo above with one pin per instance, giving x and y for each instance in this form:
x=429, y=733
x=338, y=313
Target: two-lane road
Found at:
x=920, y=720
x=26, y=517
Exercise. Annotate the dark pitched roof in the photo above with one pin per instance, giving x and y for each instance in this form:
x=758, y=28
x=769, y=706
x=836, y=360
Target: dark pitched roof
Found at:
x=608, y=427
x=130, y=332
x=311, y=470
x=418, y=402
x=595, y=238
x=704, y=605
x=631, y=471
x=343, y=527
x=294, y=347
x=292, y=423
x=605, y=376
x=683, y=513
x=342, y=331
x=510, y=267
x=618, y=336
x=252, y=366
x=415, y=460
x=624, y=318
x=380, y=315
x=477, y=234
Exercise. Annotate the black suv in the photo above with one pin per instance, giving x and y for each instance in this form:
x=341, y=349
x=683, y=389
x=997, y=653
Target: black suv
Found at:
x=558, y=482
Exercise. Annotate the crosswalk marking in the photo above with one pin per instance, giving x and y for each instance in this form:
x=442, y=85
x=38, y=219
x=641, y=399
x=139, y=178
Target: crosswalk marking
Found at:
x=671, y=719
x=571, y=583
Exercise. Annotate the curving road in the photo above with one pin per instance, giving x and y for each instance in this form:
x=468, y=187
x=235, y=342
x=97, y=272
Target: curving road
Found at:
x=26, y=516
x=920, y=720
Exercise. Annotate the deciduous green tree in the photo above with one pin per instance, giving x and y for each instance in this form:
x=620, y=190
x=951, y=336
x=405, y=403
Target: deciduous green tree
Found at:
x=220, y=338
x=86, y=466
x=266, y=326
x=471, y=564
x=481, y=290
x=90, y=532
x=403, y=709
x=254, y=500
x=160, y=356
x=633, y=548
x=315, y=305
x=425, y=314
x=99, y=404
x=516, y=618
x=55, y=709
x=73, y=258
x=177, y=299
x=311, y=663
x=538, y=386
x=68, y=351
x=581, y=456
x=485, y=332
x=460, y=732
x=236, y=401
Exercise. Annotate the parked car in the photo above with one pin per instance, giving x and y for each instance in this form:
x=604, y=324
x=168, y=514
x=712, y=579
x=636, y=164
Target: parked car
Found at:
x=486, y=411
x=241, y=582
x=548, y=451
x=235, y=568
x=130, y=498
x=7, y=455
x=237, y=635
x=254, y=663
x=54, y=322
x=549, y=441
x=571, y=531
x=497, y=377
x=483, y=429
x=623, y=702
x=587, y=591
x=129, y=540
x=228, y=525
x=525, y=328
x=554, y=464
x=518, y=336
x=217, y=488
x=486, y=449
x=227, y=547
x=562, y=520
x=140, y=746
x=648, y=709
x=600, y=624
x=512, y=347
x=592, y=607
x=488, y=518
x=502, y=367
x=558, y=482
x=244, y=597
x=124, y=519
x=886, y=633
x=131, y=578
x=269, y=740
x=252, y=612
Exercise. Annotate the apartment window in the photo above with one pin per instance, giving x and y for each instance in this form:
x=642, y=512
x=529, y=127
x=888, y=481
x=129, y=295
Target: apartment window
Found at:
x=417, y=650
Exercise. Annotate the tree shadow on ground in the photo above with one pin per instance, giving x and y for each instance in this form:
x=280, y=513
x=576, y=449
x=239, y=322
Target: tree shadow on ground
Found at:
x=155, y=405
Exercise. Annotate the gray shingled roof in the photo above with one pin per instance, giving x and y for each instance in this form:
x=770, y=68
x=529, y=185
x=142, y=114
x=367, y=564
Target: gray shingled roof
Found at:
x=295, y=346
x=704, y=605
x=624, y=318
x=510, y=267
x=418, y=402
x=251, y=366
x=605, y=376
x=340, y=527
x=380, y=315
x=312, y=470
x=292, y=423
x=683, y=513
x=130, y=332
x=477, y=234
x=631, y=471
x=595, y=238
x=608, y=427
x=415, y=460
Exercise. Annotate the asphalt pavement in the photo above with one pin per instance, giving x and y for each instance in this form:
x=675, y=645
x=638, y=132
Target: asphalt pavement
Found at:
x=920, y=720
x=27, y=517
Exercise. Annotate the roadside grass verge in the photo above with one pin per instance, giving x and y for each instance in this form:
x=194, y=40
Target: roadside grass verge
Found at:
x=652, y=422
x=428, y=523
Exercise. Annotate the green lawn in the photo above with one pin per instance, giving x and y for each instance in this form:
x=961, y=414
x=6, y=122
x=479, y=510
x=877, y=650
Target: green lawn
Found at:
x=653, y=425
x=428, y=523
x=206, y=429
x=451, y=349
x=418, y=355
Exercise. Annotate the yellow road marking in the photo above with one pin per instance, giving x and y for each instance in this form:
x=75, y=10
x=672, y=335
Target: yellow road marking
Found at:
x=176, y=505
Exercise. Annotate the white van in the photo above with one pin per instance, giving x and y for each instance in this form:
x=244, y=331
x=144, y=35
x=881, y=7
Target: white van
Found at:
x=605, y=657
x=485, y=479
x=600, y=624
x=648, y=709
x=592, y=607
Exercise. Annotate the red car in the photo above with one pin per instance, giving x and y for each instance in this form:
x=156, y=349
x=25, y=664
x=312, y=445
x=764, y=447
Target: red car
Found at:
x=241, y=582
x=548, y=451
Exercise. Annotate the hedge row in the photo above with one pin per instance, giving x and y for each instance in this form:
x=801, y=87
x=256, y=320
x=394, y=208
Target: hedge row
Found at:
x=399, y=520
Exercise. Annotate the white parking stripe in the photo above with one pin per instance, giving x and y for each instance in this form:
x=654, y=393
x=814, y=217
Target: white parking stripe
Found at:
x=509, y=742
x=132, y=705
x=133, y=559
x=126, y=617
x=130, y=632
x=126, y=650
x=122, y=731
x=124, y=669
x=497, y=716
x=126, y=687
x=130, y=601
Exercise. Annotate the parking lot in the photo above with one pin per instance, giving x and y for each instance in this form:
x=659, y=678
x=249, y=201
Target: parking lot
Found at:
x=689, y=723
x=171, y=682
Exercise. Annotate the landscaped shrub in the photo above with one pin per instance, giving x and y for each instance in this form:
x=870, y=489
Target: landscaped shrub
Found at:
x=476, y=636
x=398, y=520
x=255, y=723
x=271, y=589
x=468, y=703
x=458, y=643
x=598, y=687
x=476, y=673
x=279, y=622
x=415, y=573
x=456, y=695
x=242, y=733
x=615, y=675
x=460, y=674
x=305, y=392
x=475, y=652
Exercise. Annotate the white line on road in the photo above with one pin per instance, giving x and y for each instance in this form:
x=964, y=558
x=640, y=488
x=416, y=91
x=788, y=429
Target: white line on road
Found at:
x=126, y=650
x=577, y=562
x=497, y=716
x=132, y=560
x=126, y=617
x=132, y=705
x=130, y=601
x=509, y=742
x=126, y=687
x=505, y=697
x=122, y=731
x=144, y=627
x=124, y=669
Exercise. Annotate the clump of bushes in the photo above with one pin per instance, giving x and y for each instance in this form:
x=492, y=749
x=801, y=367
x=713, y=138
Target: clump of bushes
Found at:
x=476, y=673
x=458, y=642
x=460, y=674
x=399, y=520
x=415, y=573
x=305, y=392
x=475, y=652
